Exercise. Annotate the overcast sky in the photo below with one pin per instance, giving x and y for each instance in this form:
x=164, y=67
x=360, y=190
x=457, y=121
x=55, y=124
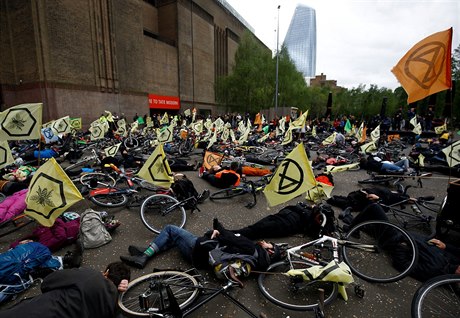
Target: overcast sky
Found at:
x=358, y=41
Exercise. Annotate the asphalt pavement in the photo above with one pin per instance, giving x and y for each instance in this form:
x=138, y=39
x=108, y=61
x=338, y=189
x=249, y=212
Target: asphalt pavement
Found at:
x=380, y=300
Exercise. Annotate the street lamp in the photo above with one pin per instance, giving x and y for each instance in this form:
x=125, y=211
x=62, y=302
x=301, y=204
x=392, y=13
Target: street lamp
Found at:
x=277, y=62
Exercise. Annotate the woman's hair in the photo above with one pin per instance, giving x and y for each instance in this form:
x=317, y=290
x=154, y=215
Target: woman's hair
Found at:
x=117, y=271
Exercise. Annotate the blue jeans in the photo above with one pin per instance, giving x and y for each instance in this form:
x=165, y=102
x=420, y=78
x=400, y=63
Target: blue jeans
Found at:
x=401, y=165
x=172, y=236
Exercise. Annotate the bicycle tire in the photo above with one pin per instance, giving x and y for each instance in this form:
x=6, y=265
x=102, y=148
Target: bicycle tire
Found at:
x=376, y=180
x=156, y=212
x=185, y=288
x=284, y=291
x=437, y=297
x=2, y=197
x=102, y=179
x=110, y=200
x=227, y=193
x=144, y=184
x=131, y=143
x=392, y=244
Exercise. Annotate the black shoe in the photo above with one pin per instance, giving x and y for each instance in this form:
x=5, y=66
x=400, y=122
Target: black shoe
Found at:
x=203, y=196
x=73, y=259
x=346, y=216
x=135, y=250
x=135, y=261
x=344, y=213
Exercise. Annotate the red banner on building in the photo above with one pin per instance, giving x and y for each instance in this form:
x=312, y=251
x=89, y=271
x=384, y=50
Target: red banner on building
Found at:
x=164, y=102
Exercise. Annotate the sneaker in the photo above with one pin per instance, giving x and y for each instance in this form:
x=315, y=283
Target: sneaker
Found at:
x=201, y=171
x=203, y=196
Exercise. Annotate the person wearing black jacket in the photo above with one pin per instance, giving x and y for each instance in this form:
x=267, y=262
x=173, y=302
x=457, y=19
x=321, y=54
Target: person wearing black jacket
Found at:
x=196, y=249
x=434, y=257
x=76, y=293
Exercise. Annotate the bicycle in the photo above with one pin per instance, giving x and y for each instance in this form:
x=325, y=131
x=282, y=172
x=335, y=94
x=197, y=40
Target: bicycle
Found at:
x=252, y=187
x=159, y=210
x=421, y=217
x=368, y=249
x=89, y=160
x=111, y=195
x=394, y=179
x=438, y=297
x=174, y=294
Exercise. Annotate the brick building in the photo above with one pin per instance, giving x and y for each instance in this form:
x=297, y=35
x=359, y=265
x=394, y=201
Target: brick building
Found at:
x=127, y=56
x=321, y=81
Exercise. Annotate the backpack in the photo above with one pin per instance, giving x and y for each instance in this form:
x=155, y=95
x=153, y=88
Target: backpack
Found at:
x=183, y=189
x=92, y=230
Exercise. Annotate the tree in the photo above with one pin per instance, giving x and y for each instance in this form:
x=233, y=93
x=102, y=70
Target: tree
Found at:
x=456, y=64
x=247, y=88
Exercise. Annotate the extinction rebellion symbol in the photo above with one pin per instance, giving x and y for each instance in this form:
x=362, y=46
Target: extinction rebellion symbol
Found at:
x=291, y=177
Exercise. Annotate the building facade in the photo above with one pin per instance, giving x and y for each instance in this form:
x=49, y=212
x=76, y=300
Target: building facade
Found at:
x=81, y=58
x=300, y=40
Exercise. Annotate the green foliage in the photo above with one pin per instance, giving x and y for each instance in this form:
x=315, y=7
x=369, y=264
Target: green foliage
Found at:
x=250, y=87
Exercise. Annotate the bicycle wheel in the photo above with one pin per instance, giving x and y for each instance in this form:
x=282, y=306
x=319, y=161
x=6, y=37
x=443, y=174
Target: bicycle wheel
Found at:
x=146, y=294
x=159, y=210
x=391, y=258
x=227, y=193
x=292, y=292
x=97, y=179
x=130, y=142
x=376, y=180
x=110, y=200
x=438, y=297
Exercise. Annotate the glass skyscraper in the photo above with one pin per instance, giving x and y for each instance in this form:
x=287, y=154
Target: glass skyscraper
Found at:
x=300, y=40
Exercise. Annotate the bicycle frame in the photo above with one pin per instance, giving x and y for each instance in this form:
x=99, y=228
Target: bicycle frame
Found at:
x=416, y=216
x=170, y=308
x=335, y=243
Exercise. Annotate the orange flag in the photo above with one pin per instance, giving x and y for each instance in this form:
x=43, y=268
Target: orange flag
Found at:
x=211, y=159
x=426, y=68
x=258, y=119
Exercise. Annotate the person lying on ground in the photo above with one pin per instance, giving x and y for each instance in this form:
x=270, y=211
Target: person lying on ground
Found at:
x=182, y=165
x=11, y=187
x=219, y=244
x=34, y=259
x=220, y=177
x=77, y=292
x=357, y=200
x=291, y=220
x=376, y=164
x=434, y=257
